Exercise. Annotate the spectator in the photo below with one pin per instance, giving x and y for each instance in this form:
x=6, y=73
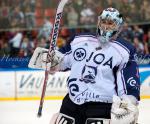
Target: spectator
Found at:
x=91, y=3
x=138, y=45
x=125, y=10
x=4, y=48
x=145, y=10
x=29, y=18
x=32, y=5
x=42, y=42
x=78, y=5
x=134, y=13
x=147, y=42
x=15, y=43
x=87, y=16
x=138, y=32
x=108, y=3
x=146, y=48
x=45, y=30
x=27, y=3
x=17, y=18
x=27, y=46
x=127, y=32
x=72, y=17
x=4, y=13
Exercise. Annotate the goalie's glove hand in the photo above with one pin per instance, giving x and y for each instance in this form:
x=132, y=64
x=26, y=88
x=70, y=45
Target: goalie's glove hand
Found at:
x=124, y=110
x=40, y=60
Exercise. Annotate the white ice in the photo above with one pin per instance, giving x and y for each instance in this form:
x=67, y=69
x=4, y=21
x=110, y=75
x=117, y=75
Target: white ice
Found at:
x=25, y=112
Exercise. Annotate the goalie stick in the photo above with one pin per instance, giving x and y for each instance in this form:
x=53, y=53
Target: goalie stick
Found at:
x=53, y=40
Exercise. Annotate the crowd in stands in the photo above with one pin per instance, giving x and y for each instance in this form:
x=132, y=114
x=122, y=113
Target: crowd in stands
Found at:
x=28, y=13
x=22, y=43
x=79, y=16
x=17, y=13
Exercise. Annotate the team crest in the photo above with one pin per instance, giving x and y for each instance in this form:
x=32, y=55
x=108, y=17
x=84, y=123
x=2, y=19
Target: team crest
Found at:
x=79, y=54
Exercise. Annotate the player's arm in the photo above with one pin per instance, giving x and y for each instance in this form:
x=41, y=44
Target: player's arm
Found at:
x=124, y=107
x=39, y=60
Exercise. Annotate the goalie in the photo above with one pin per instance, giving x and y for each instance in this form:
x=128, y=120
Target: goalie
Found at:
x=103, y=86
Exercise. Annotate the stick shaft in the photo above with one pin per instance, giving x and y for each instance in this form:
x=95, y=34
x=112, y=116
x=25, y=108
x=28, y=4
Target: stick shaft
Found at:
x=53, y=39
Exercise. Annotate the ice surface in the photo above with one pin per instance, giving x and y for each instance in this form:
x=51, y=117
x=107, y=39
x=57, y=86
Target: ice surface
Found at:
x=25, y=112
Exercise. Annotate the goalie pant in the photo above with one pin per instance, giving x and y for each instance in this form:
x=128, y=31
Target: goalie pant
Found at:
x=87, y=110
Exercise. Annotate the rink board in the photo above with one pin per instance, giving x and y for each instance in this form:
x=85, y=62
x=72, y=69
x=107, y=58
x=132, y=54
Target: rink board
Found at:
x=25, y=84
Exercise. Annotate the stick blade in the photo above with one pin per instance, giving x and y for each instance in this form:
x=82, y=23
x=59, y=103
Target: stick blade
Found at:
x=39, y=114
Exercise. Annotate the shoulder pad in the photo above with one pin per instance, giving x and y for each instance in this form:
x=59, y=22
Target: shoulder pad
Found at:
x=80, y=38
x=126, y=45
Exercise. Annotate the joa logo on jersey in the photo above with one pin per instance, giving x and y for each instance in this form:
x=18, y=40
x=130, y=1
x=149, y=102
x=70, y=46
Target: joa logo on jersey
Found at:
x=99, y=58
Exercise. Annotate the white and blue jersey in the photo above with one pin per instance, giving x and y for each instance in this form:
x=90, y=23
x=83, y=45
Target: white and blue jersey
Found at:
x=100, y=71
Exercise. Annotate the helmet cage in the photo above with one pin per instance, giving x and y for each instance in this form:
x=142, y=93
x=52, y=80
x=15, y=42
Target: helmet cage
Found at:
x=109, y=24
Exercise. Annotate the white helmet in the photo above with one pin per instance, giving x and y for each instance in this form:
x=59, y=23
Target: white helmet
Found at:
x=109, y=25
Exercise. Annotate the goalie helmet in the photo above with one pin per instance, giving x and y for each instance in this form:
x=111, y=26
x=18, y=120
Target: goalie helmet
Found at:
x=109, y=25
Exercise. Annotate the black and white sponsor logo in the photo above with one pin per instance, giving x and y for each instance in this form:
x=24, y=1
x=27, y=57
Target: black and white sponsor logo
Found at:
x=64, y=119
x=97, y=121
x=74, y=88
x=79, y=54
x=132, y=82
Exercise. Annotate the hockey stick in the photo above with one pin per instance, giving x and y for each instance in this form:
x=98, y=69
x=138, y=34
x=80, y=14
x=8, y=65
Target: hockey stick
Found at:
x=52, y=47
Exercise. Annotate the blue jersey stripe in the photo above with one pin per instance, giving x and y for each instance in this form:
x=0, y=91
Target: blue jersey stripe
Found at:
x=122, y=46
x=123, y=81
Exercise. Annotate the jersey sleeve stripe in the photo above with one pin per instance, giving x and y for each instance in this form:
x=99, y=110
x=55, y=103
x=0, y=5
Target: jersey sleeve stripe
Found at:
x=115, y=69
x=69, y=52
x=123, y=81
x=122, y=46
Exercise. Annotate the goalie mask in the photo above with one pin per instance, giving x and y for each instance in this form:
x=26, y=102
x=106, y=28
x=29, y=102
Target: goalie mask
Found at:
x=109, y=25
